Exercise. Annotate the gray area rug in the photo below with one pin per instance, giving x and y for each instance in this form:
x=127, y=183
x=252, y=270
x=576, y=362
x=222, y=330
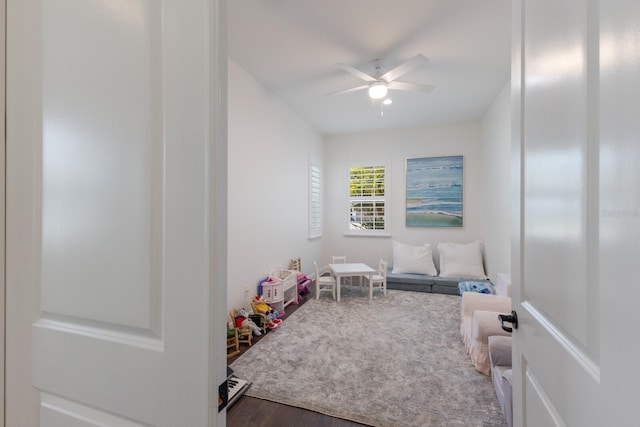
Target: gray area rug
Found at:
x=393, y=361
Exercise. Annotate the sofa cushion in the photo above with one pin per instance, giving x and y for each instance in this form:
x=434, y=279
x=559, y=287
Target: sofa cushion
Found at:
x=413, y=259
x=461, y=260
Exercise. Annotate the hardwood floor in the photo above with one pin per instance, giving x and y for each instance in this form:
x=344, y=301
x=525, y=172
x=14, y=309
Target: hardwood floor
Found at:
x=252, y=412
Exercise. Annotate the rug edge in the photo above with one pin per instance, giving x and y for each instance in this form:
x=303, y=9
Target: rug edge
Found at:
x=313, y=409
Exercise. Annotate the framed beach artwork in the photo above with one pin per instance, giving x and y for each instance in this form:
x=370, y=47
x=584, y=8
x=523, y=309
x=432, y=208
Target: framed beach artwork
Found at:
x=434, y=191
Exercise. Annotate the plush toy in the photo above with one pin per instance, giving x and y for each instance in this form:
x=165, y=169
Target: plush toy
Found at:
x=263, y=308
x=260, y=306
x=272, y=316
x=242, y=319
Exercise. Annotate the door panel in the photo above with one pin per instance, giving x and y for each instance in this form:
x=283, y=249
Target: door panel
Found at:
x=541, y=410
x=111, y=213
x=57, y=411
x=556, y=347
x=555, y=157
x=102, y=164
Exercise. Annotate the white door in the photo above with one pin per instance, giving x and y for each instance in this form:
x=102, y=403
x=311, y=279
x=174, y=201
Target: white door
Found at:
x=576, y=87
x=114, y=160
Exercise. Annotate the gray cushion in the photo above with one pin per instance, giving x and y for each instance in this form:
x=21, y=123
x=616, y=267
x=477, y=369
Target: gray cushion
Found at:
x=445, y=288
x=500, y=350
x=500, y=358
x=409, y=278
x=423, y=282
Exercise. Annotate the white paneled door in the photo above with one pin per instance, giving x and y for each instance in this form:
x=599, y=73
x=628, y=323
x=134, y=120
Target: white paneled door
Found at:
x=556, y=350
x=114, y=273
x=576, y=97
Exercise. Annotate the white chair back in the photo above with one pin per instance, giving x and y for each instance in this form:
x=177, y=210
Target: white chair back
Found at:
x=342, y=259
x=324, y=283
x=382, y=268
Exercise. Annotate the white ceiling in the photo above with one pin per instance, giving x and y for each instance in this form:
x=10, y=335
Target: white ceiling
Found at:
x=292, y=47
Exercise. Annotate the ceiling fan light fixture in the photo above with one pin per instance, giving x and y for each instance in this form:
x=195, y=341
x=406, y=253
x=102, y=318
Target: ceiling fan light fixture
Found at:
x=378, y=90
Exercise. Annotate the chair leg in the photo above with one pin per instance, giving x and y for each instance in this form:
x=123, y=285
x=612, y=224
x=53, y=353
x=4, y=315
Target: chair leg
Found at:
x=233, y=343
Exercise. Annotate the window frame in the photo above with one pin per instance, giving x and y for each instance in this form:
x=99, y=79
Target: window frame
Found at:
x=385, y=232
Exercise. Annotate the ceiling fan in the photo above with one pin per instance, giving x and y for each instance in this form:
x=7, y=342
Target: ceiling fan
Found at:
x=379, y=84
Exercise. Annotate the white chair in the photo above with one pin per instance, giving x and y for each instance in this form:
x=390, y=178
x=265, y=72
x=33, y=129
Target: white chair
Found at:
x=324, y=283
x=342, y=259
x=379, y=280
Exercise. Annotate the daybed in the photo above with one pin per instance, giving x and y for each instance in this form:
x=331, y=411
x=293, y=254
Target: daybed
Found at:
x=413, y=268
x=425, y=283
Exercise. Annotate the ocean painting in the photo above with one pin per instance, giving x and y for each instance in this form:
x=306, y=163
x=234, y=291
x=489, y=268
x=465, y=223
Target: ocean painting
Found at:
x=434, y=191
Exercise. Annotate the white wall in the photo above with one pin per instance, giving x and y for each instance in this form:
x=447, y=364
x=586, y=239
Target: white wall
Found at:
x=496, y=137
x=395, y=147
x=269, y=148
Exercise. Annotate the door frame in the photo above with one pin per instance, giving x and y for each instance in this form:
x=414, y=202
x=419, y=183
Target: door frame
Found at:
x=218, y=159
x=3, y=106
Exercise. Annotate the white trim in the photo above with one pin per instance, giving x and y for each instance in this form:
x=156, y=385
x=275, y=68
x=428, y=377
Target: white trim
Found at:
x=545, y=399
x=566, y=343
x=217, y=225
x=3, y=56
x=363, y=234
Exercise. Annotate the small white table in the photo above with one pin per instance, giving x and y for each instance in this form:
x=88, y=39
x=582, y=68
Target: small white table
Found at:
x=352, y=269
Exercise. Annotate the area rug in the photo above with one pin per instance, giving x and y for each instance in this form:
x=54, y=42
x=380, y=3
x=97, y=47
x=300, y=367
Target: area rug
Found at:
x=391, y=361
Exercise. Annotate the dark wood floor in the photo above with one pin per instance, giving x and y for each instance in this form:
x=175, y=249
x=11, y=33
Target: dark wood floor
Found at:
x=252, y=412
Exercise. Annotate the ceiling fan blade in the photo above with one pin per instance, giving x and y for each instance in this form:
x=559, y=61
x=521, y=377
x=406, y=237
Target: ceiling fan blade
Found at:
x=404, y=68
x=359, y=74
x=353, y=89
x=411, y=86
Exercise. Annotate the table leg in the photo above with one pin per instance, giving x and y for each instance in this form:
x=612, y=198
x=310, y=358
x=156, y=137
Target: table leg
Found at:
x=370, y=286
x=338, y=285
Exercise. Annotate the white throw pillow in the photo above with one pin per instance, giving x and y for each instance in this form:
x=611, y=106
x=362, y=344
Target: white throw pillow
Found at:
x=461, y=260
x=413, y=259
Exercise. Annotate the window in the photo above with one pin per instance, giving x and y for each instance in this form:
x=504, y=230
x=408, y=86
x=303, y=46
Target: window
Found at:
x=315, y=200
x=367, y=199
